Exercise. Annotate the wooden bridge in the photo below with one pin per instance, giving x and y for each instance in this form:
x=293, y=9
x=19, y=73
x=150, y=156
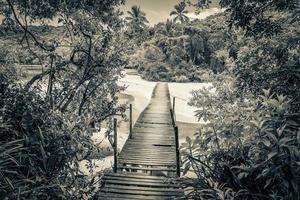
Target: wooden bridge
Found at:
x=150, y=157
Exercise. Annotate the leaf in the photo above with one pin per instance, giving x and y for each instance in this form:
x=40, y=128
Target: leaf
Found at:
x=44, y=156
x=266, y=92
x=268, y=182
x=242, y=175
x=255, y=123
x=266, y=142
x=285, y=140
x=280, y=130
x=188, y=140
x=186, y=168
x=273, y=137
x=8, y=181
x=271, y=155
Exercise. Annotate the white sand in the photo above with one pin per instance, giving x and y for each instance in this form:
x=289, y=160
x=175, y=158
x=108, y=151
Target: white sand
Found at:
x=182, y=94
x=107, y=162
x=141, y=90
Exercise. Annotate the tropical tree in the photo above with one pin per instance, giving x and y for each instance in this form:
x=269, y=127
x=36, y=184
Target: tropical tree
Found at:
x=252, y=134
x=8, y=24
x=137, y=19
x=168, y=27
x=165, y=28
x=46, y=131
x=180, y=13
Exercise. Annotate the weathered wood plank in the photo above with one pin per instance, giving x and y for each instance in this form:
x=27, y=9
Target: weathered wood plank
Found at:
x=140, y=191
x=136, y=176
x=148, y=168
x=152, y=148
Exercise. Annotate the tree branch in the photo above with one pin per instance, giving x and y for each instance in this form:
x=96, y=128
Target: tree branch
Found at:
x=42, y=46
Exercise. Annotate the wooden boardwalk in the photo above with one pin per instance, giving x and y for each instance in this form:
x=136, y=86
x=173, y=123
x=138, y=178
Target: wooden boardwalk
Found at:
x=148, y=159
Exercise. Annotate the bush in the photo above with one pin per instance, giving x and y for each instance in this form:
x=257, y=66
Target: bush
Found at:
x=246, y=140
x=181, y=78
x=40, y=148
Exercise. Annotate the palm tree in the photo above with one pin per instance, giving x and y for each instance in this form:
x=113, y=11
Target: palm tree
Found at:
x=165, y=29
x=137, y=19
x=168, y=27
x=180, y=13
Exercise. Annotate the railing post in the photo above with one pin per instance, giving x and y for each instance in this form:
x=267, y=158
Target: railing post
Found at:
x=174, y=114
x=172, y=117
x=177, y=151
x=115, y=146
x=130, y=121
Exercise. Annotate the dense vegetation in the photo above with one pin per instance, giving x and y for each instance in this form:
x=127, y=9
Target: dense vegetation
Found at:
x=185, y=51
x=47, y=121
x=249, y=147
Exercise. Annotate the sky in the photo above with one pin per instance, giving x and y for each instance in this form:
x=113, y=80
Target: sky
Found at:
x=159, y=10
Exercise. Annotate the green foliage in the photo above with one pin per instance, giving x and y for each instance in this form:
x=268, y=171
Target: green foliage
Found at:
x=259, y=17
x=154, y=65
x=137, y=30
x=249, y=146
x=245, y=141
x=271, y=62
x=40, y=147
x=198, y=46
x=47, y=121
x=137, y=19
x=50, y=8
x=180, y=13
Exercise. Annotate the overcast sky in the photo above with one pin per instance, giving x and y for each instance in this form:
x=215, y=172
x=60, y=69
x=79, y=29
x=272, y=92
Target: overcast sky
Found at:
x=159, y=10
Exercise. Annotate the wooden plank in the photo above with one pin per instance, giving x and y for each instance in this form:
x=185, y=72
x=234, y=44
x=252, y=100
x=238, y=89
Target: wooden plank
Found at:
x=173, y=191
x=153, y=140
x=140, y=184
x=153, y=148
x=148, y=152
x=142, y=180
x=150, y=162
x=138, y=149
x=148, y=169
x=135, y=175
x=114, y=196
x=150, y=157
x=144, y=192
x=166, y=154
x=153, y=160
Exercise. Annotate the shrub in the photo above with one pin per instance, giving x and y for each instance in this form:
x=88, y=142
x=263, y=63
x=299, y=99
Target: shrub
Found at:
x=40, y=148
x=181, y=78
x=245, y=141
